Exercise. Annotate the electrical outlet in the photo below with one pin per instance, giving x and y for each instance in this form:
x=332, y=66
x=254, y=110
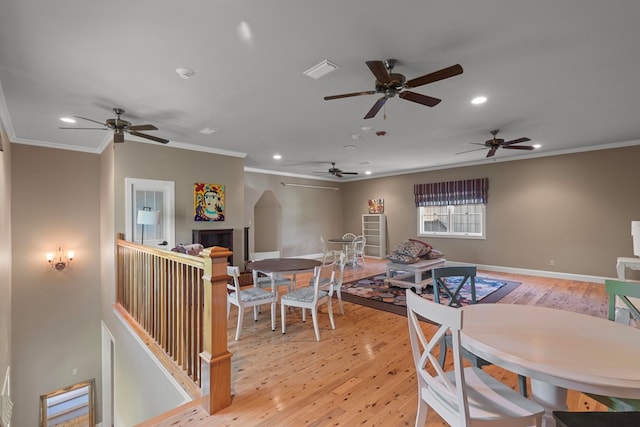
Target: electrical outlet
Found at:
x=552, y=262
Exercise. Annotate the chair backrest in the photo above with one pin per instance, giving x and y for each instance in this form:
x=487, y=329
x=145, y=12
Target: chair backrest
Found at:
x=348, y=236
x=323, y=279
x=622, y=289
x=466, y=271
x=358, y=243
x=257, y=256
x=447, y=398
x=325, y=248
x=234, y=272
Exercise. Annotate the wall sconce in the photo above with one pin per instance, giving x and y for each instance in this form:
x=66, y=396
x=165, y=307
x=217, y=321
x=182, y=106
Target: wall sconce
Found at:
x=58, y=261
x=147, y=217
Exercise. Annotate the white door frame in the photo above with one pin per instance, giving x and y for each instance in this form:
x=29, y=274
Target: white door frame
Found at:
x=168, y=191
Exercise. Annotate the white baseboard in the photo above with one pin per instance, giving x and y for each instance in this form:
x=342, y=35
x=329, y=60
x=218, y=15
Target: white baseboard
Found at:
x=540, y=273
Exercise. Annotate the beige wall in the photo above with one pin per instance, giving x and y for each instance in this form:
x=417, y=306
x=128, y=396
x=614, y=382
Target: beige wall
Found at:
x=307, y=213
x=5, y=255
x=575, y=209
x=56, y=315
x=185, y=168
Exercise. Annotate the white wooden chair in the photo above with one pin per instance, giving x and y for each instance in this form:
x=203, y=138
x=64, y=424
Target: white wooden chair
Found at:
x=312, y=297
x=464, y=396
x=356, y=251
x=348, y=236
x=328, y=256
x=268, y=280
x=339, y=274
x=250, y=297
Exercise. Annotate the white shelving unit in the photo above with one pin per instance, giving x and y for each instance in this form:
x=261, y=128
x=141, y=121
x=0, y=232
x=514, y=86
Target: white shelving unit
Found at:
x=375, y=231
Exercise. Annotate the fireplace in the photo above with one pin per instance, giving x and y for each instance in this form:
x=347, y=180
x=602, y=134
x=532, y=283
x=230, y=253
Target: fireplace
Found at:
x=219, y=237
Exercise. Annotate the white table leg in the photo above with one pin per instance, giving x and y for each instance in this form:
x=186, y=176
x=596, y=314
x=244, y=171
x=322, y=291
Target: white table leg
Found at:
x=551, y=397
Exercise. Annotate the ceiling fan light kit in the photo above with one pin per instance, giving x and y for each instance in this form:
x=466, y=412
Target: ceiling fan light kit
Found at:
x=391, y=84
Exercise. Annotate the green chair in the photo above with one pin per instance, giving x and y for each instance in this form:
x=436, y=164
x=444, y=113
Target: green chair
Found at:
x=439, y=276
x=622, y=289
x=468, y=274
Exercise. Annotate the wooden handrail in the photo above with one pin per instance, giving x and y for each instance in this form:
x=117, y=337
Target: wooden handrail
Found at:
x=180, y=302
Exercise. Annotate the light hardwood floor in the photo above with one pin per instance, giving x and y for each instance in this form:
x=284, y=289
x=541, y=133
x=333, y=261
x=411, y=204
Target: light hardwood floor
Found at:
x=361, y=373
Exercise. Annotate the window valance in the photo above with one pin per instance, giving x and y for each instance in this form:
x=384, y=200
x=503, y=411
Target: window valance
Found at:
x=467, y=192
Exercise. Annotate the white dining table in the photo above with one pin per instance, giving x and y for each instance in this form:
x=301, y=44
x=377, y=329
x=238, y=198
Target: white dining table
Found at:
x=557, y=350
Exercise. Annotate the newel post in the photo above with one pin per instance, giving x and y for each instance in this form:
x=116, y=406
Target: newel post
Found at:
x=215, y=358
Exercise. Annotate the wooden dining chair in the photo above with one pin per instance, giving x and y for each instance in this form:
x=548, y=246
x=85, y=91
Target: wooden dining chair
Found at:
x=463, y=396
x=355, y=251
x=450, y=290
x=328, y=256
x=312, y=297
x=348, y=236
x=249, y=297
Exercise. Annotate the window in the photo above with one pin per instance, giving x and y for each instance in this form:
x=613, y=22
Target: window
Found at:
x=452, y=209
x=452, y=221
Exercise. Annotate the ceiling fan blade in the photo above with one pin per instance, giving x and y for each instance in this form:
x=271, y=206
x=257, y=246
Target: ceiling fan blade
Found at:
x=469, y=151
x=445, y=73
x=380, y=71
x=515, y=141
x=84, y=128
x=151, y=137
x=376, y=107
x=349, y=173
x=492, y=151
x=346, y=95
x=419, y=98
x=90, y=120
x=142, y=127
x=338, y=174
x=519, y=147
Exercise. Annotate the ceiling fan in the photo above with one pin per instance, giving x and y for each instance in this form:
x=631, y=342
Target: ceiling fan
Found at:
x=495, y=143
x=333, y=170
x=120, y=126
x=391, y=84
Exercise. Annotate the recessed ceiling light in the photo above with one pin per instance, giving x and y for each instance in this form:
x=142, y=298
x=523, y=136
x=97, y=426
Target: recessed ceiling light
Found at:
x=277, y=156
x=67, y=120
x=365, y=128
x=349, y=147
x=321, y=69
x=479, y=100
x=208, y=130
x=356, y=136
x=367, y=172
x=185, y=73
x=537, y=145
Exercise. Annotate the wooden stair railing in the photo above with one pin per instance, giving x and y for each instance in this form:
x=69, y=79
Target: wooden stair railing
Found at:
x=180, y=303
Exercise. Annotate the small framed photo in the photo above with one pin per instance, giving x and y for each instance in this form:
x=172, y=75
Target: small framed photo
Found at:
x=376, y=206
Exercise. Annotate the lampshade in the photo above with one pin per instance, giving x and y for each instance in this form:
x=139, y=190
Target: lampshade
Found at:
x=148, y=217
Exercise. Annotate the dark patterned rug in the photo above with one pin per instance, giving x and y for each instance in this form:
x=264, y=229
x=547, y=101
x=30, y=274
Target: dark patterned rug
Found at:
x=374, y=292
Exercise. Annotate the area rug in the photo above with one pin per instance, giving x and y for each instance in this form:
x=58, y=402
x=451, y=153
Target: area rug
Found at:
x=374, y=292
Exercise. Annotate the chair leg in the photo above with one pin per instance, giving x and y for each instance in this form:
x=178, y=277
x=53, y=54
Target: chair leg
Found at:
x=522, y=385
x=340, y=302
x=255, y=313
x=421, y=416
x=330, y=310
x=314, y=316
x=273, y=316
x=240, y=316
x=283, y=318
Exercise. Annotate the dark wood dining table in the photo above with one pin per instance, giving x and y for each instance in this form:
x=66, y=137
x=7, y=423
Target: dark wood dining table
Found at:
x=284, y=266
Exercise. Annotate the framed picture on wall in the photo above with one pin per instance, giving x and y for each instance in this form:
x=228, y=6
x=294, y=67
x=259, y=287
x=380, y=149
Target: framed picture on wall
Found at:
x=208, y=201
x=376, y=206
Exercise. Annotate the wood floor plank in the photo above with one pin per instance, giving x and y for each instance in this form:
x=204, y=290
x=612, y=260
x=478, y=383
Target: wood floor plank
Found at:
x=362, y=372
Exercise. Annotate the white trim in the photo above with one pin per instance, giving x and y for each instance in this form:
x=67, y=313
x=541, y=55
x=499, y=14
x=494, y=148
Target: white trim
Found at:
x=539, y=273
x=168, y=189
x=108, y=343
x=164, y=371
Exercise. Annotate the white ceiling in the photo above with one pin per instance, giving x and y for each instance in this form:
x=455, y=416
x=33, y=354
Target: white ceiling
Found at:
x=563, y=73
